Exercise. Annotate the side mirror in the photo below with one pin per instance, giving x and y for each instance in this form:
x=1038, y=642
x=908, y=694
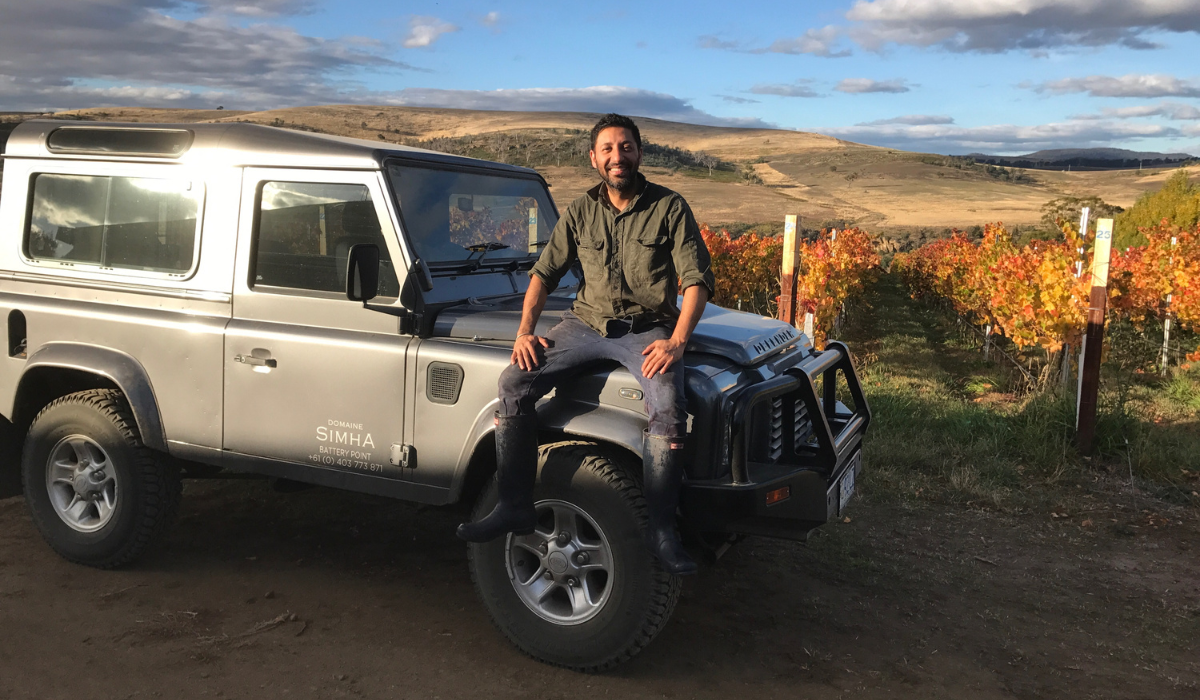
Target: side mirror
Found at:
x=362, y=272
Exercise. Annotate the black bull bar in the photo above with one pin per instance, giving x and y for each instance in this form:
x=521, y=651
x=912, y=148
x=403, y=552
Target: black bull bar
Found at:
x=789, y=494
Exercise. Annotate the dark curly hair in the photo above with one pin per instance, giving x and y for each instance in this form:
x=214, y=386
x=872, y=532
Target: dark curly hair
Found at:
x=616, y=120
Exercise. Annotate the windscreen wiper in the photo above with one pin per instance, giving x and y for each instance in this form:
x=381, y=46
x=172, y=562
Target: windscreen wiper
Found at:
x=472, y=264
x=483, y=249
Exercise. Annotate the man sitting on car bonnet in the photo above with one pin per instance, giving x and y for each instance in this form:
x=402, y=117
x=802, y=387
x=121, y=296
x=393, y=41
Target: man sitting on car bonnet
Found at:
x=638, y=245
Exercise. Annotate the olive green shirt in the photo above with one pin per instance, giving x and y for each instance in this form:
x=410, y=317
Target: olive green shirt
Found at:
x=635, y=262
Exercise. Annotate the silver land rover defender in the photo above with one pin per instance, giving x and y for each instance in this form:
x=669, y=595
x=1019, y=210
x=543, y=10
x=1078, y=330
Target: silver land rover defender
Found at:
x=186, y=299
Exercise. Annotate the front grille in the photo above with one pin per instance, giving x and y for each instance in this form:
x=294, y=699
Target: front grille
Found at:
x=801, y=426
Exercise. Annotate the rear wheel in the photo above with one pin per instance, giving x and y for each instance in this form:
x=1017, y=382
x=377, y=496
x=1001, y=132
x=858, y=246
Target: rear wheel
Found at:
x=98, y=496
x=581, y=591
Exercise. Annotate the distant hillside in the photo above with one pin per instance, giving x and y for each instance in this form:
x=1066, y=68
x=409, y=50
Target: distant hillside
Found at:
x=1087, y=158
x=757, y=176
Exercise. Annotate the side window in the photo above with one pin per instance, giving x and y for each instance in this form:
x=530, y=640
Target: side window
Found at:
x=128, y=223
x=305, y=232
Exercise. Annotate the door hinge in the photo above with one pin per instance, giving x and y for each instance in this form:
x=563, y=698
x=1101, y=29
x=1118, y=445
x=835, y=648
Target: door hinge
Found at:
x=410, y=323
x=403, y=456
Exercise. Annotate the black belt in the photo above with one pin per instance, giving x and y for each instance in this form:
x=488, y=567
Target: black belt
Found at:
x=617, y=327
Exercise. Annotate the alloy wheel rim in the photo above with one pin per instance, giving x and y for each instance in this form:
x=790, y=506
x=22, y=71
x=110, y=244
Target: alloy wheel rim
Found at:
x=563, y=571
x=82, y=483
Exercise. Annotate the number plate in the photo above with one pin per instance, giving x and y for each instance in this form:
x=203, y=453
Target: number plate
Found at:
x=847, y=486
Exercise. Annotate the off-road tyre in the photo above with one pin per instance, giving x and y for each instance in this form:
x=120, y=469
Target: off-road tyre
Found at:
x=607, y=487
x=149, y=483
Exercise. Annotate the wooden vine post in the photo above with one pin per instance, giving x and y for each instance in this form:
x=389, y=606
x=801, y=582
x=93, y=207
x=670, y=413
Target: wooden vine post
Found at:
x=1093, y=341
x=1166, y=348
x=791, y=263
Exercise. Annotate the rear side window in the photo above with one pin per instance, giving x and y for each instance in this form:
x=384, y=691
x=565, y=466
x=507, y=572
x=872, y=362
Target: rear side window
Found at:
x=305, y=232
x=126, y=223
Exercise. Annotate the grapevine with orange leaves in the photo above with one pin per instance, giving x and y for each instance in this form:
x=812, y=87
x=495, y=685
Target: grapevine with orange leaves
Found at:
x=1032, y=295
x=833, y=269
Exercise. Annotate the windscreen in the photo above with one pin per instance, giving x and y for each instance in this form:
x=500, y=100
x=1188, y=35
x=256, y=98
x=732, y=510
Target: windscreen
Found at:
x=453, y=216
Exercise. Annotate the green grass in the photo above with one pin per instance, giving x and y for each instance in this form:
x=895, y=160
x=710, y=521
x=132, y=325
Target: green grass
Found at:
x=948, y=426
x=1183, y=391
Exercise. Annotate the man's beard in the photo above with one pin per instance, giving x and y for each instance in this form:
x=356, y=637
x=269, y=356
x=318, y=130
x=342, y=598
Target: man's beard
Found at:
x=624, y=185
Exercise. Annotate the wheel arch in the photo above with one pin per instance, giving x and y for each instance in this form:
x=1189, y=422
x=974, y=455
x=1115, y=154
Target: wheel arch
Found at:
x=558, y=419
x=60, y=368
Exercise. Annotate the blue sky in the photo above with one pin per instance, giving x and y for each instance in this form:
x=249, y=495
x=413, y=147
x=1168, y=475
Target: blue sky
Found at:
x=947, y=76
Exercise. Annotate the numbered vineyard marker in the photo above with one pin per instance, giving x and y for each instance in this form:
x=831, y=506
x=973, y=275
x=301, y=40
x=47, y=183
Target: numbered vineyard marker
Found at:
x=533, y=229
x=1166, y=348
x=1093, y=340
x=791, y=261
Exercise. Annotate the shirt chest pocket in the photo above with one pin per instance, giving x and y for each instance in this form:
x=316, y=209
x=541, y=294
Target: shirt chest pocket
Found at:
x=589, y=241
x=652, y=255
x=591, y=250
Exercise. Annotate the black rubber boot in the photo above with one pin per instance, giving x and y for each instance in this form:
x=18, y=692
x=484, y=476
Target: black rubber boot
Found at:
x=516, y=471
x=662, y=475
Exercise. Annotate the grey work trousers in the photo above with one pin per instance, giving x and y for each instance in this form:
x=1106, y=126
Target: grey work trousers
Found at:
x=576, y=347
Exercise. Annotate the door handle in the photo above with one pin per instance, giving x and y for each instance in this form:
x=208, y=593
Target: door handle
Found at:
x=255, y=361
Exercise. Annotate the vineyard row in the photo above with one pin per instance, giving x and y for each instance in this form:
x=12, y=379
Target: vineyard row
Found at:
x=1037, y=294
x=834, y=267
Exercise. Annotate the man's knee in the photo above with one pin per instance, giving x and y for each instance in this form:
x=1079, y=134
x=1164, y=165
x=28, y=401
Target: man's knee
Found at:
x=513, y=391
x=666, y=406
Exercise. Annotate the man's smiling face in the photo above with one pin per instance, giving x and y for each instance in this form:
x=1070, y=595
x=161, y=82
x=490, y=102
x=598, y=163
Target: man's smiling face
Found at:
x=616, y=157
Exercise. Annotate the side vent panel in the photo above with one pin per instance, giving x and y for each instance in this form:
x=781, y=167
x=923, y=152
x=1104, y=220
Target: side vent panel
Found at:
x=443, y=382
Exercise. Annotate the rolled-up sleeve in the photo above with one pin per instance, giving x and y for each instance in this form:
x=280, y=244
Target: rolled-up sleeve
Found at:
x=559, y=254
x=693, y=265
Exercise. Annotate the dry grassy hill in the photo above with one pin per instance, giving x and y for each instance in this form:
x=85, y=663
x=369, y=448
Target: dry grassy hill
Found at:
x=821, y=178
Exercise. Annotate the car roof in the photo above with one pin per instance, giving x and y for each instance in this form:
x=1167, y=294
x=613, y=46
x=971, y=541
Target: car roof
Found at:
x=225, y=143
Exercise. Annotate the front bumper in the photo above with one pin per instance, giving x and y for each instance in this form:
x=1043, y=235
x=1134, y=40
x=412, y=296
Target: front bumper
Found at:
x=794, y=449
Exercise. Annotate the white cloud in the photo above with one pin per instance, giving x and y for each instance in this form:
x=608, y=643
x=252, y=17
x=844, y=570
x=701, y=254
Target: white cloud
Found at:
x=252, y=8
x=818, y=42
x=423, y=31
x=65, y=54
x=733, y=99
x=1171, y=110
x=800, y=88
x=49, y=98
x=1180, y=112
x=491, y=19
x=856, y=86
x=911, y=120
x=1003, y=25
x=599, y=99
x=1133, y=85
x=1001, y=138
x=708, y=41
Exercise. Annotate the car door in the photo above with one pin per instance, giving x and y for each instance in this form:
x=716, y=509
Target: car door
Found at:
x=311, y=377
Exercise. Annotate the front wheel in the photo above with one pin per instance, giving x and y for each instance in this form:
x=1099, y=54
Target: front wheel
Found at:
x=98, y=496
x=581, y=591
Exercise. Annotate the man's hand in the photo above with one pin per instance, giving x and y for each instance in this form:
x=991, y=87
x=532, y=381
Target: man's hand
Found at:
x=525, y=351
x=660, y=355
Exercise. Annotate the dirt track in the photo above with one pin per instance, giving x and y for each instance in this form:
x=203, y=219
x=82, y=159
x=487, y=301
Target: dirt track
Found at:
x=326, y=594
